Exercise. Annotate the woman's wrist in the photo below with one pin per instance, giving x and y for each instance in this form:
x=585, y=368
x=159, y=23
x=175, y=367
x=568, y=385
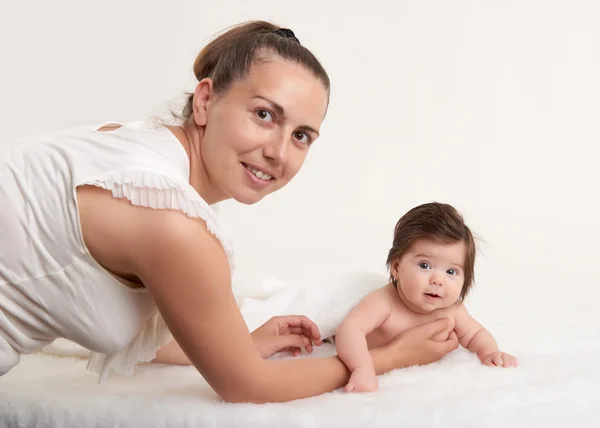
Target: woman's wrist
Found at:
x=384, y=360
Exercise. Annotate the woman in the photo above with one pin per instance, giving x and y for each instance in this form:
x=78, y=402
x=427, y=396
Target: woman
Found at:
x=108, y=238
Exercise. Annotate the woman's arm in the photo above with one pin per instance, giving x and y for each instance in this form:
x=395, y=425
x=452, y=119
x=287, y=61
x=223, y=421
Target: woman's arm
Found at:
x=290, y=333
x=172, y=354
x=186, y=270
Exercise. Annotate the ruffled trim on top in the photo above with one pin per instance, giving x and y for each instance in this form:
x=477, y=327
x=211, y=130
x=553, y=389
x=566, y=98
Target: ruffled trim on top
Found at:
x=158, y=191
x=152, y=337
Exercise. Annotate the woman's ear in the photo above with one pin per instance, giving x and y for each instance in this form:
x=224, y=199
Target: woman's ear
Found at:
x=202, y=97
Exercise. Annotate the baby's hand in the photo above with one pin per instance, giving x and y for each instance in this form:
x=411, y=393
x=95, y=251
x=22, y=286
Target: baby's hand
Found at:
x=500, y=359
x=362, y=380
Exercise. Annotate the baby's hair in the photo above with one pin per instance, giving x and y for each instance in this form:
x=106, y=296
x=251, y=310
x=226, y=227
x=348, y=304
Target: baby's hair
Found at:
x=438, y=222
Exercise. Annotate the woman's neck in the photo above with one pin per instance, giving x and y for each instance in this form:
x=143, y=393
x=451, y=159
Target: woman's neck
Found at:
x=190, y=136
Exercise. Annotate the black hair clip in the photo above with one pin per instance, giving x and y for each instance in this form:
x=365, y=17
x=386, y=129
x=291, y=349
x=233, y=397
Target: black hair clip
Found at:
x=286, y=33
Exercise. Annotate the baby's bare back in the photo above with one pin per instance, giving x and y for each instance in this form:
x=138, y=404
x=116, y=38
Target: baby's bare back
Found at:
x=401, y=318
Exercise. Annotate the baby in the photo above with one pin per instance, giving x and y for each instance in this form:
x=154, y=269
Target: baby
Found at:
x=431, y=271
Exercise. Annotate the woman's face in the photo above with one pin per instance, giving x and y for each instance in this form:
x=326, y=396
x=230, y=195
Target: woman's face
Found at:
x=258, y=132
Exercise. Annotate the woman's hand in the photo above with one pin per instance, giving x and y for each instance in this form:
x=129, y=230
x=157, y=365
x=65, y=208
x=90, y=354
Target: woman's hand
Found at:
x=286, y=333
x=415, y=346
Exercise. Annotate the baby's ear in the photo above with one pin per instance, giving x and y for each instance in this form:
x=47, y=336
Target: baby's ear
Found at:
x=394, y=265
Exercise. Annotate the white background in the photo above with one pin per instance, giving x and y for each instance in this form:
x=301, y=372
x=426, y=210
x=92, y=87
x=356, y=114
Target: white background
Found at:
x=491, y=106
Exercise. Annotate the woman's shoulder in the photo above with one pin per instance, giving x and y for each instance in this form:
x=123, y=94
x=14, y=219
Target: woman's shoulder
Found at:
x=117, y=233
x=151, y=138
x=93, y=148
x=159, y=190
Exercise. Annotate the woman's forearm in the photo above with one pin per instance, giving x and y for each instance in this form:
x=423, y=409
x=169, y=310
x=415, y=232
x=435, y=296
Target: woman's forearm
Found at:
x=383, y=362
x=286, y=380
x=291, y=379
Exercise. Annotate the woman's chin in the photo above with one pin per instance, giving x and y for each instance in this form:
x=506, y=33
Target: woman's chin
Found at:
x=248, y=198
x=249, y=195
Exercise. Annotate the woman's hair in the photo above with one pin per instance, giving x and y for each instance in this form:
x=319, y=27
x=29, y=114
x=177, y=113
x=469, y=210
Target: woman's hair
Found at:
x=230, y=55
x=438, y=222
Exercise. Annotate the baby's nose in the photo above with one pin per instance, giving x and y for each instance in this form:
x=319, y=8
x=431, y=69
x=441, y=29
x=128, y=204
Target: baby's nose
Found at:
x=436, y=280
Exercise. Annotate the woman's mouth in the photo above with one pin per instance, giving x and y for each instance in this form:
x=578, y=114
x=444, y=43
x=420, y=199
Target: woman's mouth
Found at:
x=258, y=173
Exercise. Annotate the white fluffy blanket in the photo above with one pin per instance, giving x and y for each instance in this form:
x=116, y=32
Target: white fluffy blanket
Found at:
x=557, y=383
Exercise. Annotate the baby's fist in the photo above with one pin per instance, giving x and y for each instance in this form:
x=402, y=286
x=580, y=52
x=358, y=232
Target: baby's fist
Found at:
x=500, y=359
x=362, y=380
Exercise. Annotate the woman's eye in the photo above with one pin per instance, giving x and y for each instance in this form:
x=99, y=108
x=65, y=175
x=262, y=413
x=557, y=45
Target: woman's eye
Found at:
x=424, y=265
x=264, y=115
x=302, y=137
x=451, y=271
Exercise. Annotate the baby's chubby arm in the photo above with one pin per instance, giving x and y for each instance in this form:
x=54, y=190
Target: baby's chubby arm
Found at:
x=350, y=337
x=474, y=337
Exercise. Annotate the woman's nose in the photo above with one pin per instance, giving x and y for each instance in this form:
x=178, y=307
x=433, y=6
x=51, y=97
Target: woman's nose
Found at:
x=275, y=150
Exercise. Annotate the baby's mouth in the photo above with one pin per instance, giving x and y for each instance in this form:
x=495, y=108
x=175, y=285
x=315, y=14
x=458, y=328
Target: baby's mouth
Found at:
x=433, y=295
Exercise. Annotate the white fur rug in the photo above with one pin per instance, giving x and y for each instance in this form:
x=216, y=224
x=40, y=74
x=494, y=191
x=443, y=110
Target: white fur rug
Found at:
x=557, y=383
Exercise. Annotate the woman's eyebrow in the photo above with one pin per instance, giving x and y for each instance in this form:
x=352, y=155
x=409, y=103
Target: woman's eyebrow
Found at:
x=281, y=112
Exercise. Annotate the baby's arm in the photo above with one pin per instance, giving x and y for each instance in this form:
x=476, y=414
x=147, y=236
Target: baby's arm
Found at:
x=351, y=342
x=477, y=339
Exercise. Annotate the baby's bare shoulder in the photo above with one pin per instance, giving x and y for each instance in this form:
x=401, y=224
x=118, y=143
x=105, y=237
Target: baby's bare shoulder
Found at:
x=377, y=297
x=453, y=309
x=389, y=294
x=450, y=312
x=370, y=298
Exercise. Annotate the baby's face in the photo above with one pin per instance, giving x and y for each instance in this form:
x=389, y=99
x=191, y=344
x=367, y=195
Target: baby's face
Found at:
x=431, y=275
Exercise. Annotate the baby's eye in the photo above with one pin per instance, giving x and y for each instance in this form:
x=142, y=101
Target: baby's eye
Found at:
x=264, y=115
x=451, y=271
x=424, y=265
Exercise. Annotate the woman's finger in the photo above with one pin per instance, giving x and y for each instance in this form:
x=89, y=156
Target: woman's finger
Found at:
x=310, y=335
x=307, y=339
x=446, y=346
x=427, y=331
x=307, y=334
x=304, y=323
x=297, y=330
x=293, y=340
x=293, y=351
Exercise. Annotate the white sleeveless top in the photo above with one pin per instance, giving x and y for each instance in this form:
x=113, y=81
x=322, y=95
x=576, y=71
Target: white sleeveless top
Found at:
x=50, y=286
